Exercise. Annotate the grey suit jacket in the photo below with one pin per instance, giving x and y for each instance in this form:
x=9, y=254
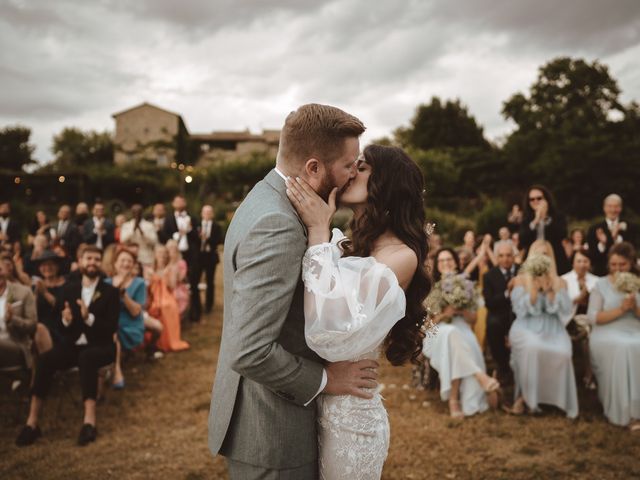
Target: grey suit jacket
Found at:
x=24, y=318
x=266, y=372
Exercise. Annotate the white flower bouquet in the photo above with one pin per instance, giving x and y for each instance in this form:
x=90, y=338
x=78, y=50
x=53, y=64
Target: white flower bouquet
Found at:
x=454, y=290
x=537, y=265
x=627, y=282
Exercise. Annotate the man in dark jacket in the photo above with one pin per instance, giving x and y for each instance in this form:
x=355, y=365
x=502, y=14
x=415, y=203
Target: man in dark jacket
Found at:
x=498, y=283
x=89, y=321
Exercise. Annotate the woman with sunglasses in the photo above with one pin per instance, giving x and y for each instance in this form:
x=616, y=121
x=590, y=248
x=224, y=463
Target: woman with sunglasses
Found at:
x=542, y=221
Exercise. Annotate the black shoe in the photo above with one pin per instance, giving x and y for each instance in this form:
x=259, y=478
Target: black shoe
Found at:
x=88, y=434
x=28, y=435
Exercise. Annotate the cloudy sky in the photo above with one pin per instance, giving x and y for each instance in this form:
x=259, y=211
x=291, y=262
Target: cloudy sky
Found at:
x=235, y=64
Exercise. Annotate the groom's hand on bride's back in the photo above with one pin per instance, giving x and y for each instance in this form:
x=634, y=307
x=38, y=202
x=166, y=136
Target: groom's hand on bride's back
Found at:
x=352, y=378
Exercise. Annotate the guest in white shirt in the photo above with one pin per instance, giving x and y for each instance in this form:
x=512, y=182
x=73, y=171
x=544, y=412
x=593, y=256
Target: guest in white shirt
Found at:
x=89, y=321
x=143, y=233
x=580, y=283
x=210, y=237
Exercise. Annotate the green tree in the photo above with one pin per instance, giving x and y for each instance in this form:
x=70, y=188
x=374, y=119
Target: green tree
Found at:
x=441, y=125
x=15, y=150
x=573, y=135
x=76, y=148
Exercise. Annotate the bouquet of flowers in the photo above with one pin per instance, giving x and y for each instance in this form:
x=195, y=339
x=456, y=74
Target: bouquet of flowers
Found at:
x=537, y=265
x=454, y=290
x=627, y=282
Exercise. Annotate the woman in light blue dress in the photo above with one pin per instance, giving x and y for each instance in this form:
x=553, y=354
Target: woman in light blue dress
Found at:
x=540, y=345
x=133, y=296
x=454, y=352
x=615, y=341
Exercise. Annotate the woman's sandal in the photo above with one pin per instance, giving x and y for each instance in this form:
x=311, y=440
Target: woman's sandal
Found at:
x=457, y=411
x=518, y=408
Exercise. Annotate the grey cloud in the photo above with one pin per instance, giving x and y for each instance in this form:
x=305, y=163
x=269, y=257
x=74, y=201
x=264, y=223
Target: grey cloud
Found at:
x=583, y=25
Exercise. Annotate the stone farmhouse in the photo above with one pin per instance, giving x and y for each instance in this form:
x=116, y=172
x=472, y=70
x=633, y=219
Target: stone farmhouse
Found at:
x=150, y=134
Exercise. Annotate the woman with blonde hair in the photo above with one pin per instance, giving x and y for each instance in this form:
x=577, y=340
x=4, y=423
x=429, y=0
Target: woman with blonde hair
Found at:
x=181, y=289
x=540, y=345
x=163, y=304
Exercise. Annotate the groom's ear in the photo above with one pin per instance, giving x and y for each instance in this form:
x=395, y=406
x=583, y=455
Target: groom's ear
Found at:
x=312, y=168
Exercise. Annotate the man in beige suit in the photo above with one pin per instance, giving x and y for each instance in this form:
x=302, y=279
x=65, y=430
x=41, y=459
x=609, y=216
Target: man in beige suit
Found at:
x=263, y=412
x=18, y=321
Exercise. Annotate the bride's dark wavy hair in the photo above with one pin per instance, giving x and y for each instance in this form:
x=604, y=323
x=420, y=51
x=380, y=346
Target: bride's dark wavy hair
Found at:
x=395, y=202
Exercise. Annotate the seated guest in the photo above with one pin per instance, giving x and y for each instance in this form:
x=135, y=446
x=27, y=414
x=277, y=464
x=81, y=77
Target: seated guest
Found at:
x=163, y=304
x=615, y=340
x=17, y=321
x=90, y=320
x=15, y=271
x=141, y=232
x=119, y=221
x=497, y=286
x=133, y=295
x=10, y=229
x=179, y=266
x=580, y=283
x=40, y=245
x=540, y=345
x=576, y=242
x=543, y=221
x=48, y=288
x=81, y=216
x=453, y=351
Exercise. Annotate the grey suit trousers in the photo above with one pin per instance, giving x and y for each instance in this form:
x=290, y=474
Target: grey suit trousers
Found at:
x=244, y=471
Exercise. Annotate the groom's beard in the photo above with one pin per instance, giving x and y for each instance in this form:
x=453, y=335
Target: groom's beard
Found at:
x=328, y=184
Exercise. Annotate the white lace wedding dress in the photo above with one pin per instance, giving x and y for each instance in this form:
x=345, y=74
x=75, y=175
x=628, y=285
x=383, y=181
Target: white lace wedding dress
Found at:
x=351, y=304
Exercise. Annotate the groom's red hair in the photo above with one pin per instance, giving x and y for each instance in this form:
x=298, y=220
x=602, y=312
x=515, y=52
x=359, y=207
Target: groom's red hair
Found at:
x=316, y=131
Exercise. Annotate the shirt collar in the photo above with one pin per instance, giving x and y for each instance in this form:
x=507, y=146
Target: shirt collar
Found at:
x=280, y=173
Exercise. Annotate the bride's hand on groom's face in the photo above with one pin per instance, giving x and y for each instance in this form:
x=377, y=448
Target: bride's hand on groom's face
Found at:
x=313, y=210
x=352, y=378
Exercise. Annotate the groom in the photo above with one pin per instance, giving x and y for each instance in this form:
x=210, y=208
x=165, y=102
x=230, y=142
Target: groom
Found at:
x=263, y=412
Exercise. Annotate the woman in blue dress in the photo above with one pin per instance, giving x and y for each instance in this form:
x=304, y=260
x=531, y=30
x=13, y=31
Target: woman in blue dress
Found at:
x=615, y=341
x=133, y=296
x=540, y=345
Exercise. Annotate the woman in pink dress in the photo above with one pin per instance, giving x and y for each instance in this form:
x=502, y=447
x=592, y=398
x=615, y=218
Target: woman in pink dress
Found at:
x=181, y=290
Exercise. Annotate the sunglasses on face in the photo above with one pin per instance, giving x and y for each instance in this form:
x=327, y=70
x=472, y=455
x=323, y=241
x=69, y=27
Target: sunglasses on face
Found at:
x=535, y=199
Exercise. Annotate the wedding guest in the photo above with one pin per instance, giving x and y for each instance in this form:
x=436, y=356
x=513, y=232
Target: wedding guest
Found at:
x=120, y=220
x=469, y=241
x=90, y=320
x=163, y=304
x=108, y=259
x=65, y=232
x=15, y=270
x=40, y=245
x=40, y=225
x=141, y=232
x=615, y=340
x=453, y=351
x=65, y=258
x=179, y=267
x=184, y=230
x=210, y=235
x=81, y=216
x=540, y=345
x=10, y=229
x=504, y=235
x=514, y=218
x=48, y=288
x=133, y=295
x=497, y=286
x=99, y=230
x=518, y=251
x=543, y=221
x=613, y=229
x=159, y=214
x=580, y=283
x=18, y=321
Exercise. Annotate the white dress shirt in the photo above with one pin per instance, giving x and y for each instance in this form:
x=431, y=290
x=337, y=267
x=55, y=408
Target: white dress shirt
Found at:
x=183, y=222
x=97, y=226
x=3, y=309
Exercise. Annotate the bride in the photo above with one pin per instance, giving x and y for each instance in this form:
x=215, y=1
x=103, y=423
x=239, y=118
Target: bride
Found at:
x=363, y=296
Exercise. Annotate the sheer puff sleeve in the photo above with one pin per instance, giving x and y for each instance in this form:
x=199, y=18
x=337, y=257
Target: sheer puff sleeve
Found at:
x=350, y=303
